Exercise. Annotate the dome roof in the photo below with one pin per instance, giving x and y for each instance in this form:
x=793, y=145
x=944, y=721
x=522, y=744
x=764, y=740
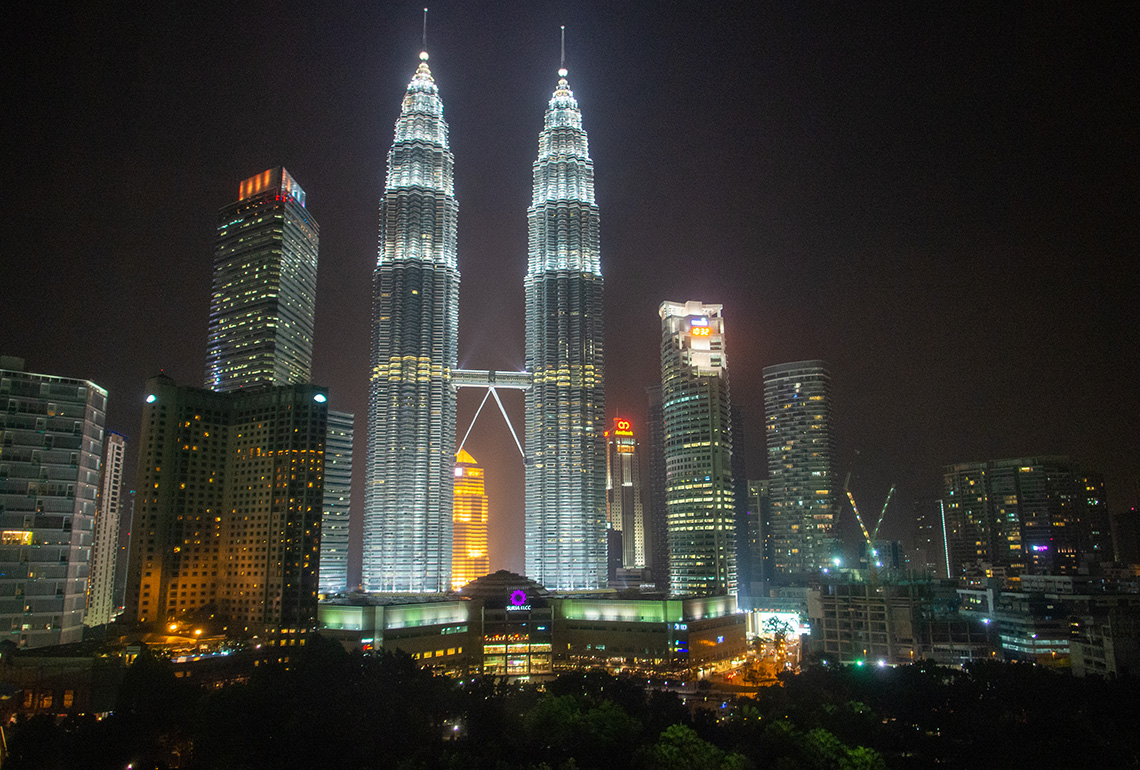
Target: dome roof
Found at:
x=502, y=584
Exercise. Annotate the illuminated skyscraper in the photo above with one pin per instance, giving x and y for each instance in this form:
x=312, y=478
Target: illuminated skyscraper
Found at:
x=415, y=310
x=101, y=607
x=801, y=456
x=228, y=515
x=699, y=491
x=470, y=559
x=265, y=287
x=337, y=500
x=51, y=434
x=565, y=406
x=1026, y=515
x=624, y=512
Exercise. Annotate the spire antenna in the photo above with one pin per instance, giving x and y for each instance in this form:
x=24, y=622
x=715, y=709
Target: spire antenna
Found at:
x=562, y=62
x=425, y=32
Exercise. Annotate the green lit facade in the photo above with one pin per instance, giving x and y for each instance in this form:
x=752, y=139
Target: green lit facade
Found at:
x=506, y=625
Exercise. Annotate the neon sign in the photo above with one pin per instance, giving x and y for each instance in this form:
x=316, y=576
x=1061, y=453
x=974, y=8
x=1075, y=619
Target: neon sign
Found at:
x=518, y=601
x=622, y=428
x=700, y=331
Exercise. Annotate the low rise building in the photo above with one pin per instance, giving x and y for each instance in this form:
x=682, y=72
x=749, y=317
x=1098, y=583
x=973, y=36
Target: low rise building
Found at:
x=506, y=625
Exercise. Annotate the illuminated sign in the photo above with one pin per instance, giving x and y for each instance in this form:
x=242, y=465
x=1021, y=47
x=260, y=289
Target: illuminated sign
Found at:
x=622, y=428
x=518, y=601
x=700, y=331
x=624, y=449
x=702, y=321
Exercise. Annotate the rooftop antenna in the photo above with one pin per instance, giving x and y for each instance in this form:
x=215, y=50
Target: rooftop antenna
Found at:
x=423, y=51
x=562, y=62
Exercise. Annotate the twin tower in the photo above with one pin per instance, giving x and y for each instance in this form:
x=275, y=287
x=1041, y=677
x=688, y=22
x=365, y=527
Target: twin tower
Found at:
x=414, y=376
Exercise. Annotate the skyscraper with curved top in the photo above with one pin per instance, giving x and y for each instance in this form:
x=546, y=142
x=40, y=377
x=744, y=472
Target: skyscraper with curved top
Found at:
x=411, y=406
x=565, y=407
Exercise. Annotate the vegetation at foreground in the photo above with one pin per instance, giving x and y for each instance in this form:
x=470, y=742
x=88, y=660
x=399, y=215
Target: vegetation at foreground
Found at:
x=338, y=710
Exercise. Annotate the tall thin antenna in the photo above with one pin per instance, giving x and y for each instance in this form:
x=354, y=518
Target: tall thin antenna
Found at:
x=562, y=64
x=425, y=30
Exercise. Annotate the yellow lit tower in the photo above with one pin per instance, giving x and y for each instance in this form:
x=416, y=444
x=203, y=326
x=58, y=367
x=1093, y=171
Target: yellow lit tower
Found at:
x=469, y=558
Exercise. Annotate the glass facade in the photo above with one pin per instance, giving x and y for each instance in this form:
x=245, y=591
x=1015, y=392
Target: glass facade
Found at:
x=51, y=442
x=101, y=607
x=411, y=405
x=265, y=287
x=565, y=406
x=700, y=497
x=801, y=461
x=338, y=497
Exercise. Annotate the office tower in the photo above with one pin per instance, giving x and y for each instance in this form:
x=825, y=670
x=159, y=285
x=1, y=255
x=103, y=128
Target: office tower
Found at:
x=470, y=558
x=51, y=434
x=624, y=511
x=657, y=533
x=699, y=488
x=930, y=556
x=228, y=515
x=801, y=458
x=415, y=328
x=758, y=537
x=565, y=406
x=1022, y=515
x=101, y=606
x=337, y=499
x=265, y=287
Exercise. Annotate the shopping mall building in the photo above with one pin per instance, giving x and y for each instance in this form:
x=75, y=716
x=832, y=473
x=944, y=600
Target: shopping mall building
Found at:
x=506, y=625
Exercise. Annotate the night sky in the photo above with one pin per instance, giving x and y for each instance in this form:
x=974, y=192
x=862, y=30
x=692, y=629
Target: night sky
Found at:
x=939, y=199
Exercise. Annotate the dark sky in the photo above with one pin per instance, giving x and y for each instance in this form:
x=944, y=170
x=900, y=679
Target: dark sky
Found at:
x=940, y=199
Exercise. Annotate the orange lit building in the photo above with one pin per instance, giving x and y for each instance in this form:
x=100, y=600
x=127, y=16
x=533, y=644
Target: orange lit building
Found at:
x=469, y=557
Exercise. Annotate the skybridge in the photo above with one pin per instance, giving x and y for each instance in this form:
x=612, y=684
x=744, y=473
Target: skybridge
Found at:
x=492, y=381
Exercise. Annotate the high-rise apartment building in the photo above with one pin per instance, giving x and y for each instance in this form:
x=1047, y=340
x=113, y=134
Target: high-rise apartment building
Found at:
x=1032, y=515
x=801, y=469
x=699, y=488
x=565, y=406
x=101, y=606
x=265, y=287
x=228, y=514
x=51, y=441
x=470, y=558
x=337, y=503
x=624, y=511
x=415, y=331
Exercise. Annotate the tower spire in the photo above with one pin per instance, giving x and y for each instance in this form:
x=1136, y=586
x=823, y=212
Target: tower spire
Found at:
x=423, y=49
x=562, y=61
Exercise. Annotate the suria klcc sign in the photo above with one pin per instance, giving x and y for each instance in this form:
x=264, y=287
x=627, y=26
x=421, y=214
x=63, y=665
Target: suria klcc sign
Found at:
x=518, y=602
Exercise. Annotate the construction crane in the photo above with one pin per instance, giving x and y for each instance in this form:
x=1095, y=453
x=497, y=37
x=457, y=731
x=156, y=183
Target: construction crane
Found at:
x=870, y=537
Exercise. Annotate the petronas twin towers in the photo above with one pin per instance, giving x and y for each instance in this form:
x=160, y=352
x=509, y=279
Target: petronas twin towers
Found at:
x=415, y=326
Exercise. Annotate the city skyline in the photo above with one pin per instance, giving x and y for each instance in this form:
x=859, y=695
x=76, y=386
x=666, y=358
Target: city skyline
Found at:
x=943, y=196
